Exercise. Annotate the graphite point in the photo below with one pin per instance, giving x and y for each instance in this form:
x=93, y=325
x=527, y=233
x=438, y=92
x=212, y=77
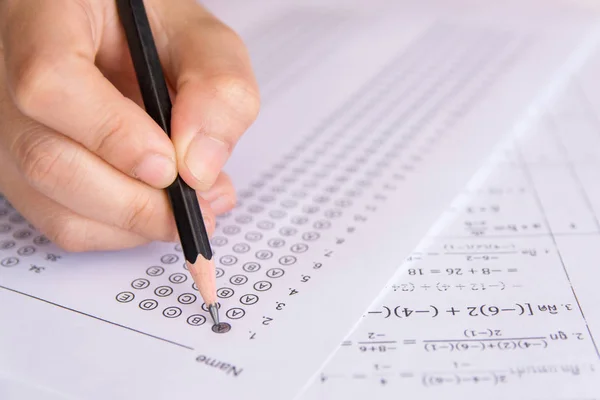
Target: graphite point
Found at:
x=221, y=327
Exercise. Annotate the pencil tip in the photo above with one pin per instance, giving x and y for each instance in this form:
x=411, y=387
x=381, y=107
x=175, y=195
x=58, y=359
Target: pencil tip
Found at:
x=214, y=313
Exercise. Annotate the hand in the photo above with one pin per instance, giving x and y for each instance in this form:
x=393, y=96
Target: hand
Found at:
x=79, y=157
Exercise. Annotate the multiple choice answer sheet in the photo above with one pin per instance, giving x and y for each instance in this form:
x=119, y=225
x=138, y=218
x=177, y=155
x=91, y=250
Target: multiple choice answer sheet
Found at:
x=365, y=139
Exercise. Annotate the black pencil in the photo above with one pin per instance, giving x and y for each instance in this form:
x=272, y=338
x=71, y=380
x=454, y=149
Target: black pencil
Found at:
x=153, y=87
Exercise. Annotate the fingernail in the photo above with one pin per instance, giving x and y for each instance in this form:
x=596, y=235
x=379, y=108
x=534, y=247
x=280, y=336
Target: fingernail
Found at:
x=222, y=204
x=205, y=158
x=156, y=170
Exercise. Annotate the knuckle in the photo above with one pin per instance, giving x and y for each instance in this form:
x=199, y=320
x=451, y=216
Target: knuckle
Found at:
x=68, y=234
x=138, y=215
x=109, y=133
x=239, y=95
x=38, y=155
x=34, y=84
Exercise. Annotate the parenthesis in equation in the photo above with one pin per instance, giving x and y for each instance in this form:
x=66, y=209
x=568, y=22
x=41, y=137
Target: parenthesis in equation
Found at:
x=425, y=380
x=466, y=333
x=544, y=344
x=489, y=331
x=396, y=312
x=521, y=308
x=388, y=312
x=412, y=287
x=457, y=379
x=495, y=378
x=482, y=346
x=435, y=311
x=452, y=347
x=481, y=309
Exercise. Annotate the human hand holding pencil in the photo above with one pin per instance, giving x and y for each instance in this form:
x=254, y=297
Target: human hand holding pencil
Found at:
x=80, y=158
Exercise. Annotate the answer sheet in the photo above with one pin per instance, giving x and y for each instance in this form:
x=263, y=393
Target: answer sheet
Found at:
x=367, y=133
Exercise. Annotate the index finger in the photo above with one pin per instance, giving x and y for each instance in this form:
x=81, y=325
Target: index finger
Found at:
x=53, y=80
x=217, y=97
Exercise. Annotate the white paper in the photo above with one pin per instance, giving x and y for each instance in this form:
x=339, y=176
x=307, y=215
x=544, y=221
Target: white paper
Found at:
x=502, y=302
x=352, y=160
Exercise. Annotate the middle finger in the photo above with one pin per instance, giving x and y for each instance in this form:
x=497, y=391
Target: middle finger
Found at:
x=69, y=174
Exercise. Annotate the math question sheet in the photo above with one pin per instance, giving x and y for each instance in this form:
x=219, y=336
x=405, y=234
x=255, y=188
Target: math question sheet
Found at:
x=501, y=300
x=373, y=123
